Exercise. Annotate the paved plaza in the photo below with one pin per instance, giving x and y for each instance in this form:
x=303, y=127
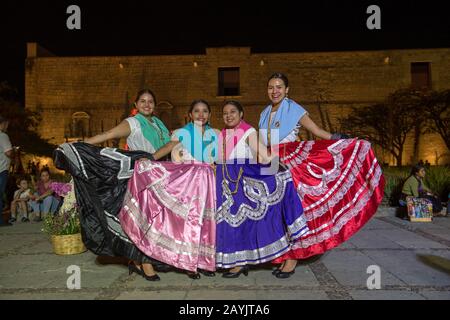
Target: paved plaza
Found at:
x=413, y=260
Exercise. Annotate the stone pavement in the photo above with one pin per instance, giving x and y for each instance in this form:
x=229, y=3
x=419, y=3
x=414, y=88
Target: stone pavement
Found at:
x=413, y=259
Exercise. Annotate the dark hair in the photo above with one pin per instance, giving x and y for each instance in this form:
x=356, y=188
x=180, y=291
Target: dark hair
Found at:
x=235, y=103
x=20, y=179
x=279, y=75
x=143, y=91
x=3, y=119
x=416, y=168
x=195, y=102
x=43, y=170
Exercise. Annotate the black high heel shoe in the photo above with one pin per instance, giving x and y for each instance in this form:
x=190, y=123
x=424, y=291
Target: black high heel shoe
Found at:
x=133, y=268
x=162, y=268
x=207, y=273
x=230, y=275
x=277, y=270
x=193, y=275
x=284, y=275
x=154, y=277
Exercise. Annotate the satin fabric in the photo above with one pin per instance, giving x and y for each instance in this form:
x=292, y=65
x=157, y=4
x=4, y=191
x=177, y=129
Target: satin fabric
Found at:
x=169, y=213
x=261, y=220
x=100, y=178
x=258, y=216
x=341, y=185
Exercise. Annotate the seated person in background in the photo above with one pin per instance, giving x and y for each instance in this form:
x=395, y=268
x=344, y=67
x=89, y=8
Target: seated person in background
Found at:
x=20, y=203
x=44, y=200
x=415, y=186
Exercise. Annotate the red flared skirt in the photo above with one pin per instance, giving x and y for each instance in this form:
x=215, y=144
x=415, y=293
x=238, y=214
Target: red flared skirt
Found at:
x=340, y=183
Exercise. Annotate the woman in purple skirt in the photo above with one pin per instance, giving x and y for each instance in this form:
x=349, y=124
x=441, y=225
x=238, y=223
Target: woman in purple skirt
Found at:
x=259, y=213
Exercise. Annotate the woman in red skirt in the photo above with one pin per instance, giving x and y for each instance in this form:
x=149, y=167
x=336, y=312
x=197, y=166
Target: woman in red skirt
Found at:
x=339, y=180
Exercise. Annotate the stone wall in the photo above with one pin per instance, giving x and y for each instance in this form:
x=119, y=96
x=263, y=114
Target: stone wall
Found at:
x=104, y=87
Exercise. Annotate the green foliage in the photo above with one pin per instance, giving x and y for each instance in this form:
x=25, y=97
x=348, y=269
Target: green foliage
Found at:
x=438, y=113
x=63, y=223
x=23, y=124
x=388, y=123
x=395, y=177
x=437, y=179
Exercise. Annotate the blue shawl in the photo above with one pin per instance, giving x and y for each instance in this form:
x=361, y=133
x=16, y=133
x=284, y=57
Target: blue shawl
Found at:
x=284, y=121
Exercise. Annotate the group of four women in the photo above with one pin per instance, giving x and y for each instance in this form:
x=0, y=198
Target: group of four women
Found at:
x=229, y=198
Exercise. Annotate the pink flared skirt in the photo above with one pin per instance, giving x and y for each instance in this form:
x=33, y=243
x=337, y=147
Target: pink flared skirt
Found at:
x=169, y=213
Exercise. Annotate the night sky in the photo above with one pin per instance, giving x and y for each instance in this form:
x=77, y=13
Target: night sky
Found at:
x=187, y=27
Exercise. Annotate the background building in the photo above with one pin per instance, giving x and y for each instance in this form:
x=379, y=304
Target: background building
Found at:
x=83, y=96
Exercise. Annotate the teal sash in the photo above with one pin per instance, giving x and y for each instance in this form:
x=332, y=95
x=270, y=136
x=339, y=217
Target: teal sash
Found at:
x=153, y=130
x=202, y=147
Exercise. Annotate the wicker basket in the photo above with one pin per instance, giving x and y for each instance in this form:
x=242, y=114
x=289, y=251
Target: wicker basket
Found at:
x=413, y=219
x=68, y=244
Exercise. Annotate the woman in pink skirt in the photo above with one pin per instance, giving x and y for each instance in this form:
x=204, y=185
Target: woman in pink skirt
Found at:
x=169, y=208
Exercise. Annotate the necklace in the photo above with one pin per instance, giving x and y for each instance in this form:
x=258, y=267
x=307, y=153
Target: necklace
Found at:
x=225, y=172
x=277, y=124
x=155, y=125
x=268, y=130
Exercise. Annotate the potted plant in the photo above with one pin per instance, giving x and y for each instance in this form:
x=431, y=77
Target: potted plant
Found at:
x=64, y=227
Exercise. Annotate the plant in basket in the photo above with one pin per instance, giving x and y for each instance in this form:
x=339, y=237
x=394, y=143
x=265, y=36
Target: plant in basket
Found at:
x=64, y=227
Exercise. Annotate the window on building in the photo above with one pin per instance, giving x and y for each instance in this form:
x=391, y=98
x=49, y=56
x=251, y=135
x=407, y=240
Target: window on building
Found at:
x=229, y=82
x=80, y=126
x=420, y=75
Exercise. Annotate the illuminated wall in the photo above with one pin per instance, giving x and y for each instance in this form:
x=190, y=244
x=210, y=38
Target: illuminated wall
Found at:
x=94, y=93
